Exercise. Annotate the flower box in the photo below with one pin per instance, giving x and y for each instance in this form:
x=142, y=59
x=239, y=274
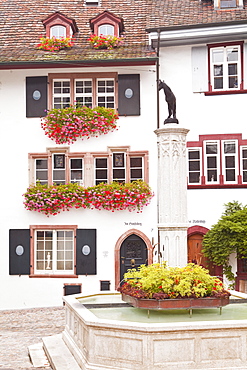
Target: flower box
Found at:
x=176, y=303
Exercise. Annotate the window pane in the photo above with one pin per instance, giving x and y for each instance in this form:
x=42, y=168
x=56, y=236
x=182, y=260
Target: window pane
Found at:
x=101, y=174
x=136, y=174
x=194, y=177
x=194, y=165
x=230, y=162
x=218, y=83
x=194, y=154
x=59, y=175
x=102, y=162
x=119, y=174
x=245, y=176
x=218, y=70
x=135, y=162
x=217, y=55
x=118, y=160
x=230, y=175
x=211, y=148
x=212, y=175
x=76, y=175
x=232, y=54
x=229, y=147
x=211, y=162
x=76, y=163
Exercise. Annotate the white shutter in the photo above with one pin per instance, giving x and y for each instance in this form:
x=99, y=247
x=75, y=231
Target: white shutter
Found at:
x=199, y=58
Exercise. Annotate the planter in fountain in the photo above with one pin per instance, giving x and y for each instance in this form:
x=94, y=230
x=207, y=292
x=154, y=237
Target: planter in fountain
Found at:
x=175, y=304
x=157, y=287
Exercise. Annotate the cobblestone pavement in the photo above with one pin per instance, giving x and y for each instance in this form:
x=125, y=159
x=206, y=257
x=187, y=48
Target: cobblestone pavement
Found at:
x=22, y=328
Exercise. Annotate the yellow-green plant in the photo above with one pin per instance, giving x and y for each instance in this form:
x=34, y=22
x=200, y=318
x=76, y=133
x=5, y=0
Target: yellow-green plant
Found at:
x=159, y=281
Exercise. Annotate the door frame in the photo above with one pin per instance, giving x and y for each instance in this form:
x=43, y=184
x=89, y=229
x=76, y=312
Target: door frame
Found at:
x=119, y=244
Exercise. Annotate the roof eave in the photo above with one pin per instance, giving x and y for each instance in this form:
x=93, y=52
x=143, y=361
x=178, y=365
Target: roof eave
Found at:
x=199, y=34
x=71, y=64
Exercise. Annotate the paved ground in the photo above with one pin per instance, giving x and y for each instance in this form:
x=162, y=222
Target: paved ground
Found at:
x=22, y=328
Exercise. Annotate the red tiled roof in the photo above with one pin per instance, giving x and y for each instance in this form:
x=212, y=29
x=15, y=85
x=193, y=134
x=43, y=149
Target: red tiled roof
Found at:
x=170, y=13
x=21, y=26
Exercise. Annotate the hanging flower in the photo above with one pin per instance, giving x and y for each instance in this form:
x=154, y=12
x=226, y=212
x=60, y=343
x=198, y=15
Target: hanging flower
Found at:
x=51, y=200
x=55, y=44
x=68, y=124
x=105, y=42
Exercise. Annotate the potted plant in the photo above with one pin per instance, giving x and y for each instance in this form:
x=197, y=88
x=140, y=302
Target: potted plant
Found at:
x=160, y=287
x=105, y=42
x=55, y=44
x=66, y=125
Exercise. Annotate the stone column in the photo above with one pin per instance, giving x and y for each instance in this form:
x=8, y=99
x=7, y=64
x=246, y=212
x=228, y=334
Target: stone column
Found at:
x=172, y=194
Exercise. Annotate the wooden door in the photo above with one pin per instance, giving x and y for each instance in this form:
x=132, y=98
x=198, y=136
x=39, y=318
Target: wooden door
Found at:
x=133, y=253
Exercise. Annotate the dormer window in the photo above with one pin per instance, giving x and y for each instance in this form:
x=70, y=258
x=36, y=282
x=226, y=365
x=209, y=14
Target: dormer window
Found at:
x=59, y=26
x=228, y=4
x=106, y=30
x=58, y=32
x=107, y=24
x=92, y=2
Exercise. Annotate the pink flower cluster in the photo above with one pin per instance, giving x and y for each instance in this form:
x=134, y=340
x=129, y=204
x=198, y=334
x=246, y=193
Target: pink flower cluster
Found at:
x=51, y=200
x=105, y=42
x=55, y=44
x=68, y=124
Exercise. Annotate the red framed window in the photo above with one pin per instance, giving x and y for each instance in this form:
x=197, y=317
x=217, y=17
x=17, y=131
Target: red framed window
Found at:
x=217, y=161
x=225, y=67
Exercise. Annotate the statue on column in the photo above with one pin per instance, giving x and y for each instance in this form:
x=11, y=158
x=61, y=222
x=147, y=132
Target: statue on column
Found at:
x=171, y=101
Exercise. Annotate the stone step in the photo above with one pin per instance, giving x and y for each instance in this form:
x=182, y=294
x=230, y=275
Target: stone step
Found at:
x=37, y=355
x=58, y=354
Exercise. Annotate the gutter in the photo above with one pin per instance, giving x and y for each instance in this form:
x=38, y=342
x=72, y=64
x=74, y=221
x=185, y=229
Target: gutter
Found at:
x=81, y=63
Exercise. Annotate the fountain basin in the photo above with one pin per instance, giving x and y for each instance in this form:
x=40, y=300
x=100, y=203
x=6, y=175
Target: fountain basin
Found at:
x=99, y=343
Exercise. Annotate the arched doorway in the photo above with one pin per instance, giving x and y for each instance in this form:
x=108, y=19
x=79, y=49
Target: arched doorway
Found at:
x=132, y=249
x=195, y=255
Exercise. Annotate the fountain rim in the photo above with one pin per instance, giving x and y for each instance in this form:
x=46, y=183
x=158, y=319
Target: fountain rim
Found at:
x=92, y=320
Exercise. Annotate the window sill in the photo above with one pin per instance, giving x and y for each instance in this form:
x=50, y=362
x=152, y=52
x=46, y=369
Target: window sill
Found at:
x=230, y=92
x=217, y=186
x=52, y=276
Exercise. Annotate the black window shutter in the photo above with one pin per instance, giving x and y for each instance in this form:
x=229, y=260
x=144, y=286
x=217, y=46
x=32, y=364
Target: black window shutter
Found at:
x=36, y=96
x=19, y=252
x=129, y=95
x=86, y=256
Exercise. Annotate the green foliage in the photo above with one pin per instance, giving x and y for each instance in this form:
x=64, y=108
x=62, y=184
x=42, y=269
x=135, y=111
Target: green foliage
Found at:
x=189, y=281
x=228, y=236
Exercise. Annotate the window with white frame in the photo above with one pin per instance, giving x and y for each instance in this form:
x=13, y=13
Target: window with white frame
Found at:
x=215, y=160
x=61, y=167
x=64, y=169
x=88, y=91
x=230, y=161
x=58, y=32
x=106, y=30
x=211, y=161
x=225, y=68
x=194, y=162
x=54, y=251
x=101, y=170
x=244, y=163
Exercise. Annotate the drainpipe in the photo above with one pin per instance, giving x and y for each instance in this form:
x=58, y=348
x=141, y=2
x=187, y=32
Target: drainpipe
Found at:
x=158, y=119
x=157, y=79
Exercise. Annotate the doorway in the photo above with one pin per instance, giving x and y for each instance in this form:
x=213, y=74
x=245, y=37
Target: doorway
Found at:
x=133, y=253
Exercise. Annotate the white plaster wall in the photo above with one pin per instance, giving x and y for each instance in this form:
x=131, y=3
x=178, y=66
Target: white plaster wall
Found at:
x=21, y=135
x=222, y=114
